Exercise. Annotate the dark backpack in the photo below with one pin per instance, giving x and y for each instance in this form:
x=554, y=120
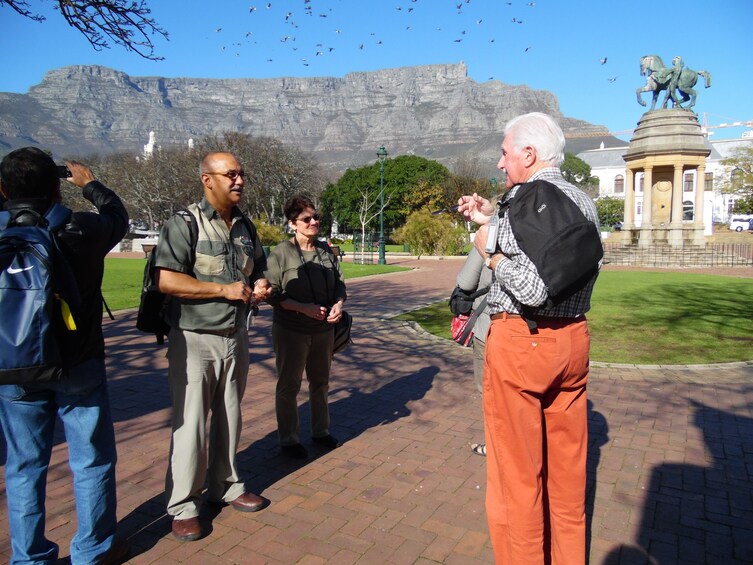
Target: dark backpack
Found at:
x=461, y=301
x=39, y=296
x=150, y=318
x=553, y=232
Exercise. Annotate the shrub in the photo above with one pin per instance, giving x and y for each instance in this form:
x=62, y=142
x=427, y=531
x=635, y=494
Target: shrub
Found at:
x=269, y=234
x=431, y=235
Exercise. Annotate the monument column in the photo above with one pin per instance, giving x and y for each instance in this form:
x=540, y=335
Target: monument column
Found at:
x=675, y=219
x=677, y=190
x=700, y=187
x=648, y=186
x=629, y=215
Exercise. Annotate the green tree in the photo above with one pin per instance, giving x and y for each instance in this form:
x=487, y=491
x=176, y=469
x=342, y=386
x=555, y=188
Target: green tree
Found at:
x=126, y=22
x=743, y=205
x=739, y=177
x=403, y=176
x=610, y=210
x=427, y=234
x=269, y=234
x=578, y=172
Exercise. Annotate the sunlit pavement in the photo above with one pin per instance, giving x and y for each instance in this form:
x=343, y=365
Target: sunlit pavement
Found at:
x=670, y=453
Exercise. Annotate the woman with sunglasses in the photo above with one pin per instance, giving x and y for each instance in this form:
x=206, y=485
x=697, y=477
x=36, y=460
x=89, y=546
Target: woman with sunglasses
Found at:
x=308, y=297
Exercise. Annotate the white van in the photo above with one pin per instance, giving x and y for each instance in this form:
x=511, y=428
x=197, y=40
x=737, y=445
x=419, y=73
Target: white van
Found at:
x=742, y=222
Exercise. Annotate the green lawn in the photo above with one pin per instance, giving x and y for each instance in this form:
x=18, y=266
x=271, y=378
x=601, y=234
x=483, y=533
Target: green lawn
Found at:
x=655, y=318
x=121, y=286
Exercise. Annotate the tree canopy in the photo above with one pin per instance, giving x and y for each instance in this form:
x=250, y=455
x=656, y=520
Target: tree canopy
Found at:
x=610, y=210
x=410, y=182
x=126, y=22
x=578, y=172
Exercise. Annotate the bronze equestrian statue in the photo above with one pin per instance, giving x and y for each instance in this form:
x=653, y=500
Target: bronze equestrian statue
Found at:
x=675, y=79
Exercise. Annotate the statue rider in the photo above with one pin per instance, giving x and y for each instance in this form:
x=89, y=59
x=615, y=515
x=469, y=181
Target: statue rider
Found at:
x=674, y=79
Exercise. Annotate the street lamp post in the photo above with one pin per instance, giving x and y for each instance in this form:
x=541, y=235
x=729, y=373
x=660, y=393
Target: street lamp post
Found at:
x=381, y=155
x=493, y=182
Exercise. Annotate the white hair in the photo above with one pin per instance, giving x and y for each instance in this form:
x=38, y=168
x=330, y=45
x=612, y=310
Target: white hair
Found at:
x=540, y=131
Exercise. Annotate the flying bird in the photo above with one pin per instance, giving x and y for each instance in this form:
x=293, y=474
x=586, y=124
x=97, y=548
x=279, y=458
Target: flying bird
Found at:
x=603, y=61
x=613, y=79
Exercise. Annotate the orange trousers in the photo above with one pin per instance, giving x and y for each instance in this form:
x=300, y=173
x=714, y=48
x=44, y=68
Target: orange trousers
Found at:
x=535, y=417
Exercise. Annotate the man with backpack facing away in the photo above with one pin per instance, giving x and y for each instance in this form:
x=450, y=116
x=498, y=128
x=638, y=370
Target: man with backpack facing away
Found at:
x=536, y=365
x=29, y=179
x=210, y=263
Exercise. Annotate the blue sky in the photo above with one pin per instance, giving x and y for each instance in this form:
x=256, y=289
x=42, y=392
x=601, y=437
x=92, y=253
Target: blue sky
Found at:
x=554, y=45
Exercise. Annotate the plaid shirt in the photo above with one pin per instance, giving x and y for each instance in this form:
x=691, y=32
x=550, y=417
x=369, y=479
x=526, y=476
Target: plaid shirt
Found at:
x=517, y=282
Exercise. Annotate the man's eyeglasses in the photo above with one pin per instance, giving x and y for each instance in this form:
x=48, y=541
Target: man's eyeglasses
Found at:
x=307, y=219
x=231, y=174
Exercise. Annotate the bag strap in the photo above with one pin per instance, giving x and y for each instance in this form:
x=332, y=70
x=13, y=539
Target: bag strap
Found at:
x=306, y=270
x=472, y=320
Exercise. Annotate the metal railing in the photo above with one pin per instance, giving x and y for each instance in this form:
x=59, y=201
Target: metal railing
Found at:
x=689, y=256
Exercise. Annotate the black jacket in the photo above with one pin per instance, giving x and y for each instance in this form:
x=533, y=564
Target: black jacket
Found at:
x=84, y=242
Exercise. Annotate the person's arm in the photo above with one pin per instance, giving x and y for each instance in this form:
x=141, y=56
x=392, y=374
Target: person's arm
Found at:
x=469, y=275
x=174, y=267
x=278, y=297
x=335, y=313
x=476, y=209
x=185, y=286
x=517, y=274
x=113, y=216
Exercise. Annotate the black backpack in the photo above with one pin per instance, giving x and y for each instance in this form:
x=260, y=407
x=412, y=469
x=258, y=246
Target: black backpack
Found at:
x=553, y=232
x=39, y=297
x=152, y=305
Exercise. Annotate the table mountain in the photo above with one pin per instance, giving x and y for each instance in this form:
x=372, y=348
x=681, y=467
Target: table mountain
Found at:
x=435, y=111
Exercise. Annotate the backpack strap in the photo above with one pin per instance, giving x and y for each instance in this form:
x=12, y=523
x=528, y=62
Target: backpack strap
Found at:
x=57, y=216
x=472, y=320
x=193, y=228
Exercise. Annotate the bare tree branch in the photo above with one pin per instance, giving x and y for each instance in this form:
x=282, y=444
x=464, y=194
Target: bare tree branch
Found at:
x=125, y=22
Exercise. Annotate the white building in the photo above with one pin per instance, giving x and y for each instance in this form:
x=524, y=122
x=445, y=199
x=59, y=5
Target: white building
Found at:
x=608, y=166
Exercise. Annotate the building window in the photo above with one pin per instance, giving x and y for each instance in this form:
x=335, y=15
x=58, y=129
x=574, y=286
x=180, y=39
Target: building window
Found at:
x=687, y=210
x=619, y=184
x=640, y=182
x=639, y=208
x=708, y=181
x=736, y=179
x=687, y=185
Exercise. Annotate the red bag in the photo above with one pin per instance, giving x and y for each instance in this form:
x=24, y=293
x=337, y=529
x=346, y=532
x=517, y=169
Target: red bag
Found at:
x=461, y=333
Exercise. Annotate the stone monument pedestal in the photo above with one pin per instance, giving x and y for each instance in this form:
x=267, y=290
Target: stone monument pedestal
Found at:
x=666, y=145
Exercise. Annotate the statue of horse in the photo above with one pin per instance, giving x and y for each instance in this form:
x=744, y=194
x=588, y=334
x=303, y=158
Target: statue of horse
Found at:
x=659, y=77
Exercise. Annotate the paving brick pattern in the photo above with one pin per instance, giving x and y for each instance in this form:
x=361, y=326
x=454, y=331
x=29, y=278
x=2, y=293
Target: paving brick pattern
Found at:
x=670, y=454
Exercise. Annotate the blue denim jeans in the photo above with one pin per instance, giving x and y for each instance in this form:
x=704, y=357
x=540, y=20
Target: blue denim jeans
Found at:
x=27, y=416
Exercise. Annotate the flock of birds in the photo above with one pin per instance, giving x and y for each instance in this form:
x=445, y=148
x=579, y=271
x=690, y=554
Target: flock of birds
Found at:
x=320, y=50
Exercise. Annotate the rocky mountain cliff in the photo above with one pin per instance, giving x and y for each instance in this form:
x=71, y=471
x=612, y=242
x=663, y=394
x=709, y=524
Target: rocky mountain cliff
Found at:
x=435, y=111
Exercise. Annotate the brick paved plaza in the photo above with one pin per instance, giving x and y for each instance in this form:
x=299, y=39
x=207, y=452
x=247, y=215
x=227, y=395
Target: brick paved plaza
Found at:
x=670, y=459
